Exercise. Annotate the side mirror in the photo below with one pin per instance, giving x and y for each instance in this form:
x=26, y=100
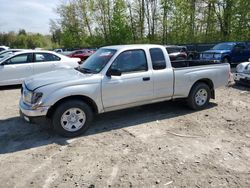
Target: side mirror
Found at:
x=113, y=72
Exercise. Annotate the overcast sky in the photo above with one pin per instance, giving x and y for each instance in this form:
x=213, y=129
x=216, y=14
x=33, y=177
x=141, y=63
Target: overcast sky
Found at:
x=31, y=15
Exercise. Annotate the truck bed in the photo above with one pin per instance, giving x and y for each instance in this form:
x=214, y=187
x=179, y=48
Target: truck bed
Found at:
x=192, y=63
x=186, y=73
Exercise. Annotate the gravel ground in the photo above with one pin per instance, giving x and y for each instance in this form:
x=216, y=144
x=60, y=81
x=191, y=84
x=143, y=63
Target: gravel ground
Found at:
x=159, y=145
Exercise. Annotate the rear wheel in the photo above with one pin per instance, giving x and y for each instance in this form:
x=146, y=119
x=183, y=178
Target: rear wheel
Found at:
x=72, y=118
x=199, y=96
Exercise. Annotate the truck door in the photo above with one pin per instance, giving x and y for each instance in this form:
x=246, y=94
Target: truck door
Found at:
x=239, y=53
x=135, y=83
x=163, y=76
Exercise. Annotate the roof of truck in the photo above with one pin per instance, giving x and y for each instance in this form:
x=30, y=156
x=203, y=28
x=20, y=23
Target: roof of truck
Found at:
x=119, y=47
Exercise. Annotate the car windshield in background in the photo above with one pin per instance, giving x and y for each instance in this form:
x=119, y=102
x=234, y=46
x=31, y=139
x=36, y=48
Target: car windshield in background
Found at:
x=224, y=46
x=5, y=54
x=173, y=50
x=96, y=62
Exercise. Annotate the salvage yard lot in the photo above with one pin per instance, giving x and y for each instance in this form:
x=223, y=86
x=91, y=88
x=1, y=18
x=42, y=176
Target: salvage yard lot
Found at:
x=159, y=145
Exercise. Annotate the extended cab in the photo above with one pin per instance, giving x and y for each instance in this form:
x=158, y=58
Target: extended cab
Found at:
x=228, y=52
x=117, y=77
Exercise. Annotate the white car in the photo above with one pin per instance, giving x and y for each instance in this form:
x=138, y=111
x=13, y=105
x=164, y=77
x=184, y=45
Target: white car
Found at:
x=6, y=53
x=20, y=65
x=242, y=74
x=2, y=48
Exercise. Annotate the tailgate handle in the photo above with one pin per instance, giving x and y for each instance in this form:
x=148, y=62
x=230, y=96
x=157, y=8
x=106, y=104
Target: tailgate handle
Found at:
x=146, y=78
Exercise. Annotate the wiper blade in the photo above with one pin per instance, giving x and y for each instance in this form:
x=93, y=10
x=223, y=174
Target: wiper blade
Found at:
x=85, y=70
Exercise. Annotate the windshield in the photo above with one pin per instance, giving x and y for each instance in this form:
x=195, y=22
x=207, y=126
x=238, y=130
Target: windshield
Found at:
x=96, y=62
x=5, y=54
x=224, y=46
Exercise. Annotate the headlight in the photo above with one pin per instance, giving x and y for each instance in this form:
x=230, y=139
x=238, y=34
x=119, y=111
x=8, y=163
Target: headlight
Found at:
x=217, y=56
x=240, y=68
x=31, y=97
x=36, y=97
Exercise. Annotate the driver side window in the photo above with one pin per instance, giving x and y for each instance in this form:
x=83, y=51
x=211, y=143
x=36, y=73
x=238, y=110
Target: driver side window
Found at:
x=131, y=61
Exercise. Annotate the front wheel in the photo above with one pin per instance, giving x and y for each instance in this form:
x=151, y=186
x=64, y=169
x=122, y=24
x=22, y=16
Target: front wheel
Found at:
x=72, y=118
x=199, y=96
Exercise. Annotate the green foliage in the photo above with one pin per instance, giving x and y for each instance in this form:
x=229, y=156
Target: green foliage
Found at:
x=120, y=31
x=25, y=40
x=85, y=23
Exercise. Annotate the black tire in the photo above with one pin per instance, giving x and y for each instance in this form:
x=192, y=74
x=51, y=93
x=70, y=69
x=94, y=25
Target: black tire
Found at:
x=196, y=90
x=63, y=108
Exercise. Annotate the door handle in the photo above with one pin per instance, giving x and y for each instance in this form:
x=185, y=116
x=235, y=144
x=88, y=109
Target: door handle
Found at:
x=146, y=78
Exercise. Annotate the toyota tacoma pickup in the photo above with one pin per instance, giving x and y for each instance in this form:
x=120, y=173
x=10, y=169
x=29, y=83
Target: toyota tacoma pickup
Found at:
x=117, y=77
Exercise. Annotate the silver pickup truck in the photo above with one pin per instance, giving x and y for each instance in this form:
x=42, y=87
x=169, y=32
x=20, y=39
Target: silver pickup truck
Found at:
x=117, y=77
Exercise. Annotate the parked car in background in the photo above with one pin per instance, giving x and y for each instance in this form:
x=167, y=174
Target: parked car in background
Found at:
x=2, y=48
x=20, y=65
x=176, y=52
x=82, y=54
x=58, y=50
x=242, y=74
x=6, y=53
x=114, y=78
x=228, y=52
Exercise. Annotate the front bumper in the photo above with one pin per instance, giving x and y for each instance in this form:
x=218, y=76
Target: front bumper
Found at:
x=30, y=112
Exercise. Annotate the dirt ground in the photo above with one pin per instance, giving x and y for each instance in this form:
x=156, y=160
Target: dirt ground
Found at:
x=159, y=145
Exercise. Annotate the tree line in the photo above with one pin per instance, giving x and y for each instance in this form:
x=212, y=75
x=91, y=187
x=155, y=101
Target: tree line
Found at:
x=102, y=22
x=22, y=39
x=84, y=23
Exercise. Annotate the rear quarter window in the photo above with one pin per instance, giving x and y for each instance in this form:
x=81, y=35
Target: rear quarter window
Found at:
x=158, y=59
x=43, y=57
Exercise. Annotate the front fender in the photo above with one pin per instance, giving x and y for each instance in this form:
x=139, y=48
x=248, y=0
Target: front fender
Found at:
x=91, y=91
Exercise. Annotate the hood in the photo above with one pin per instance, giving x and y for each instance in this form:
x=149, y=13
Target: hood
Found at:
x=67, y=76
x=216, y=51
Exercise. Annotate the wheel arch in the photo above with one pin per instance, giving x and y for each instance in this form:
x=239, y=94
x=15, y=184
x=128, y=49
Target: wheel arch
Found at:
x=226, y=56
x=85, y=99
x=208, y=82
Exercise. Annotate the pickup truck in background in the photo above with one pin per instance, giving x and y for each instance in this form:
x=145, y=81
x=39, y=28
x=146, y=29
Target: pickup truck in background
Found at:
x=228, y=52
x=117, y=77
